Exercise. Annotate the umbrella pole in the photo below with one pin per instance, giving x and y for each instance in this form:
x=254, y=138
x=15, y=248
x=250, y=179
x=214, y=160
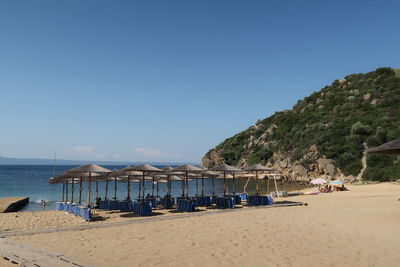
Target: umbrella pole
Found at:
x=89, y=189
x=233, y=184
x=257, y=182
x=152, y=188
x=73, y=187
x=140, y=189
x=128, y=189
x=157, y=190
x=276, y=186
x=224, y=184
x=197, y=187
x=63, y=192
x=97, y=189
x=187, y=186
x=183, y=187
x=80, y=190
x=115, y=188
x=202, y=185
x=105, y=197
x=143, y=187
x=268, y=185
x=213, y=185
x=169, y=185
x=66, y=191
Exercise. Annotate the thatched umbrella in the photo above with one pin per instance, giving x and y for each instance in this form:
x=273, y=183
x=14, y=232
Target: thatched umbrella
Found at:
x=168, y=171
x=174, y=178
x=127, y=176
x=160, y=181
x=145, y=169
x=205, y=174
x=107, y=177
x=225, y=168
x=56, y=180
x=186, y=169
x=65, y=179
x=86, y=171
x=257, y=168
x=392, y=147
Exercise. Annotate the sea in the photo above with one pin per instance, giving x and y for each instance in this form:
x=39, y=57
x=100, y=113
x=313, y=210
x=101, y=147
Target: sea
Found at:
x=32, y=181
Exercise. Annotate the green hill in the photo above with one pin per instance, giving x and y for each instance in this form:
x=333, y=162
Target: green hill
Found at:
x=333, y=127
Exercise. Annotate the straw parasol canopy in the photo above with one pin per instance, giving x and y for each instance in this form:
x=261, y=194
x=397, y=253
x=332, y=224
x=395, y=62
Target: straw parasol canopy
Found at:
x=144, y=169
x=392, y=147
x=88, y=168
x=186, y=169
x=257, y=168
x=126, y=175
x=225, y=168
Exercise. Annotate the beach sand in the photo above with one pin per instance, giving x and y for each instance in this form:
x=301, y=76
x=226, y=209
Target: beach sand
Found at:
x=359, y=227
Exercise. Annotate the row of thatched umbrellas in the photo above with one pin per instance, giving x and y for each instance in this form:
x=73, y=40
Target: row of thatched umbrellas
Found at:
x=94, y=173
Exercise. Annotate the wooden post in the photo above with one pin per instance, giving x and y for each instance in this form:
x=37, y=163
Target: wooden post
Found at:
x=233, y=183
x=115, y=188
x=105, y=197
x=268, y=185
x=187, y=186
x=169, y=185
x=63, y=192
x=257, y=182
x=143, y=187
x=66, y=191
x=97, y=190
x=128, y=189
x=80, y=190
x=157, y=190
x=202, y=185
x=183, y=187
x=213, y=185
x=152, y=187
x=197, y=187
x=139, y=189
x=224, y=183
x=73, y=187
x=89, y=189
x=276, y=187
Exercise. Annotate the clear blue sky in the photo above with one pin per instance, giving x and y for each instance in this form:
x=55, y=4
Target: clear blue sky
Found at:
x=168, y=80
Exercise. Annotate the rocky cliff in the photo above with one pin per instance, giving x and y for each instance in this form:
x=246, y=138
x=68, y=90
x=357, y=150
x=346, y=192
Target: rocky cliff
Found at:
x=326, y=133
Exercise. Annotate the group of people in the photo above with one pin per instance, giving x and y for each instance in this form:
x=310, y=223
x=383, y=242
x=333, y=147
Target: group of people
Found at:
x=329, y=188
x=326, y=189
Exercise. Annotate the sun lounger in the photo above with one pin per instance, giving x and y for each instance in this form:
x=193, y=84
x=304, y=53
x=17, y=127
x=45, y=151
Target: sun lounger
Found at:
x=167, y=202
x=142, y=208
x=236, y=198
x=225, y=202
x=85, y=213
x=187, y=205
x=259, y=200
x=204, y=201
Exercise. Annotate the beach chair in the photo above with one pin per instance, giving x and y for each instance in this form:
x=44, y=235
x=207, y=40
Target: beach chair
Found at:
x=143, y=208
x=187, y=205
x=167, y=202
x=85, y=213
x=225, y=203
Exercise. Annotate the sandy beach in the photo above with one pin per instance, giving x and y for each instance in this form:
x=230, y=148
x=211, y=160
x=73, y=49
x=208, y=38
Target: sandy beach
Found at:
x=354, y=228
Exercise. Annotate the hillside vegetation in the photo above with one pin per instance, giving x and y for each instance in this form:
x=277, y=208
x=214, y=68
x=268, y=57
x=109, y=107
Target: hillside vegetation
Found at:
x=337, y=123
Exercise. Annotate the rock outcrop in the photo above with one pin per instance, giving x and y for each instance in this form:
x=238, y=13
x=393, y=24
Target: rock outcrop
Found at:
x=323, y=135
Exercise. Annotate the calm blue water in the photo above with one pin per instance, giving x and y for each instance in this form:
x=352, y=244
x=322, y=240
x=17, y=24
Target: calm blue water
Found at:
x=32, y=181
